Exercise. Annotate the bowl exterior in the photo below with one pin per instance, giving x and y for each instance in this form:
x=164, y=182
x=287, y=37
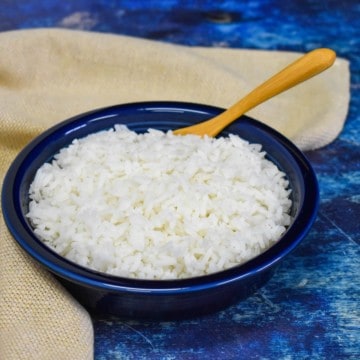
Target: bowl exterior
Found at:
x=158, y=299
x=167, y=306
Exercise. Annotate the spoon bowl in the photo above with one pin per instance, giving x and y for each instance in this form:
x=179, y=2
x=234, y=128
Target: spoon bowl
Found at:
x=304, y=68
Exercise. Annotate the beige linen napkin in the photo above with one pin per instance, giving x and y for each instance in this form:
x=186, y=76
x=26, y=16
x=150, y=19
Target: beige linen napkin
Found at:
x=47, y=75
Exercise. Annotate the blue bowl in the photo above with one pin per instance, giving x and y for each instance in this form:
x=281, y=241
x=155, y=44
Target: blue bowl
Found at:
x=158, y=299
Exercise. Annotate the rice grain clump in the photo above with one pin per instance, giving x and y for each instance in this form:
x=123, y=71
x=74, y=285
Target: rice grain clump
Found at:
x=159, y=206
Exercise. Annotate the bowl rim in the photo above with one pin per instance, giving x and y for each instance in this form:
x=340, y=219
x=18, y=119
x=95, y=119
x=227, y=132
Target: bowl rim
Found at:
x=53, y=262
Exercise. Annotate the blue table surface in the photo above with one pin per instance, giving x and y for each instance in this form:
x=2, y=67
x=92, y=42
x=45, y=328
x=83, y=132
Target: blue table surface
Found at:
x=310, y=308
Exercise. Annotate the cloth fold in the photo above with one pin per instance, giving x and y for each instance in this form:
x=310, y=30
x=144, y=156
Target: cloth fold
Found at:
x=47, y=75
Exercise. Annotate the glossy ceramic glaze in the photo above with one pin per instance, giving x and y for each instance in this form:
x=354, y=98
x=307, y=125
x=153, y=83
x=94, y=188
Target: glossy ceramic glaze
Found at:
x=146, y=298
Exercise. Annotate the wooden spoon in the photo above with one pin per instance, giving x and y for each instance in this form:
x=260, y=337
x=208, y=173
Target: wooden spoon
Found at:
x=302, y=69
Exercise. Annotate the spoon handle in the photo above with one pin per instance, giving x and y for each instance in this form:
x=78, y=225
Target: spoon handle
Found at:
x=302, y=69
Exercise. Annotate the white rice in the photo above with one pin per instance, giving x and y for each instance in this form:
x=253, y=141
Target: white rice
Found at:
x=159, y=206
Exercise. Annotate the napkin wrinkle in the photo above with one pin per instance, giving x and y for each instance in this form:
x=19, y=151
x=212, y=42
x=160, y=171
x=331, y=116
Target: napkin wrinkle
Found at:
x=48, y=75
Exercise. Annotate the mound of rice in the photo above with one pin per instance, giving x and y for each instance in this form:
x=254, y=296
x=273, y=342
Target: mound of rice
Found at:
x=159, y=206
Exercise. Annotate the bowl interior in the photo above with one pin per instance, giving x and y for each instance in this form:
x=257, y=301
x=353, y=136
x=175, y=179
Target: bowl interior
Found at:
x=163, y=116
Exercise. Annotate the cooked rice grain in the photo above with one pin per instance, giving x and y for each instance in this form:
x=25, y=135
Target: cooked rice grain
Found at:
x=159, y=206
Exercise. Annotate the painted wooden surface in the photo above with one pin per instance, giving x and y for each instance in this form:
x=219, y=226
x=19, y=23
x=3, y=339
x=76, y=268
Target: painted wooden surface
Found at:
x=310, y=309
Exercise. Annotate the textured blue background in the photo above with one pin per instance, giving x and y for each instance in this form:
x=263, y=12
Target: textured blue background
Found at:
x=310, y=309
